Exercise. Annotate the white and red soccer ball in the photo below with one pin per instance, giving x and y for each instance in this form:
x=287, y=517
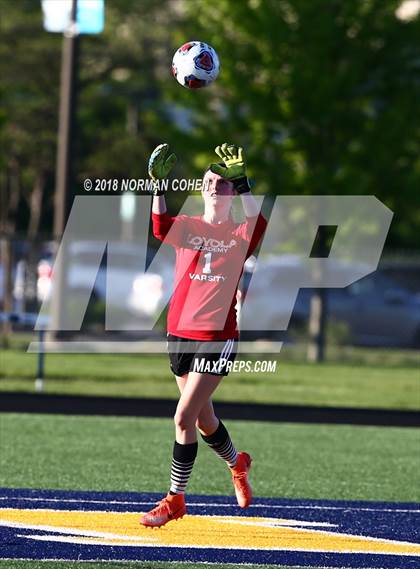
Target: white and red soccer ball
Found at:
x=195, y=64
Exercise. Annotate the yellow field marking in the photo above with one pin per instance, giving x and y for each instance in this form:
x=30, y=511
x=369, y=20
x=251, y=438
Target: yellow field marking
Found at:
x=123, y=529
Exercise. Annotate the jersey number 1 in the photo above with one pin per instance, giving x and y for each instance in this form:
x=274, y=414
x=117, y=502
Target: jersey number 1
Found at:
x=207, y=268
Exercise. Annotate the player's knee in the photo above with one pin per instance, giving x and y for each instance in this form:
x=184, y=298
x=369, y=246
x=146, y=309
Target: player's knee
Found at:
x=207, y=425
x=200, y=424
x=183, y=420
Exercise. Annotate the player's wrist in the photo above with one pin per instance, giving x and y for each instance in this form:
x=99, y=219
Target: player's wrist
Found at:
x=241, y=185
x=157, y=190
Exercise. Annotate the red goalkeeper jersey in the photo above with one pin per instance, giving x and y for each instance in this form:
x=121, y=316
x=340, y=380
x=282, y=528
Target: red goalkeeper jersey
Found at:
x=209, y=265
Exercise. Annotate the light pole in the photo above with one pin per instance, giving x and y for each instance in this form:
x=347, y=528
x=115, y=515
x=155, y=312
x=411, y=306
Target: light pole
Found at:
x=64, y=169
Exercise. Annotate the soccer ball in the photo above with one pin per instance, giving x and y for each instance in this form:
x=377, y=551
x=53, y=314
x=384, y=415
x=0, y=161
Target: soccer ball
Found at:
x=195, y=64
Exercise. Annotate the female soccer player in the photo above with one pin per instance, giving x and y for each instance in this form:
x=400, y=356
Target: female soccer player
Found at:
x=202, y=331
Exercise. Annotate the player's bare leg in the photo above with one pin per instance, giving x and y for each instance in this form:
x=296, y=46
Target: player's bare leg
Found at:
x=207, y=421
x=195, y=393
x=216, y=436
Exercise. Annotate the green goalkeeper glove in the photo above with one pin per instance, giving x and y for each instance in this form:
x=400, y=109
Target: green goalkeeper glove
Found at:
x=160, y=164
x=234, y=168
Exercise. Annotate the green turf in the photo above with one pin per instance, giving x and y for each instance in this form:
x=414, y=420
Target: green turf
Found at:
x=294, y=461
x=389, y=385
x=97, y=453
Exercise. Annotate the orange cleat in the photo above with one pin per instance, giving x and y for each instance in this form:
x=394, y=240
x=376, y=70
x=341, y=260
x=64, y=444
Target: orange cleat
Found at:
x=243, y=488
x=172, y=507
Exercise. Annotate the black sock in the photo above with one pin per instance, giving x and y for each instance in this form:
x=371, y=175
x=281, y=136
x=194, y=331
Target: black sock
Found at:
x=222, y=445
x=182, y=464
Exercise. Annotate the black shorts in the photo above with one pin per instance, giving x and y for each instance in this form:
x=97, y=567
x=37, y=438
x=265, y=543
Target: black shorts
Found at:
x=210, y=356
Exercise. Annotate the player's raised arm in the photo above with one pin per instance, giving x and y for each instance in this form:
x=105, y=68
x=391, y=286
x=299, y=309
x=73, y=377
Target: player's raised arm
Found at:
x=160, y=164
x=165, y=227
x=234, y=169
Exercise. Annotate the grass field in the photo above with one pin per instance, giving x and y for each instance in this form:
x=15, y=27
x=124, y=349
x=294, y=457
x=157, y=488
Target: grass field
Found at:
x=392, y=383
x=309, y=461
x=294, y=461
x=290, y=460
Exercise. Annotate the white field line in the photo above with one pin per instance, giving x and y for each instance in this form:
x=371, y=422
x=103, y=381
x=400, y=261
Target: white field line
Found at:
x=212, y=504
x=80, y=541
